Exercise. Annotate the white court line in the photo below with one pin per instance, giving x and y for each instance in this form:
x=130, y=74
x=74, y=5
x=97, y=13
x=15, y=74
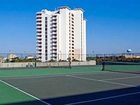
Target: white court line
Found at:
x=124, y=78
x=32, y=77
x=109, y=82
x=24, y=92
x=38, y=76
x=43, y=75
x=106, y=98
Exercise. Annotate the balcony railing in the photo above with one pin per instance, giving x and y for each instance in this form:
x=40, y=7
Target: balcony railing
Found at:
x=53, y=20
x=54, y=39
x=38, y=27
x=38, y=17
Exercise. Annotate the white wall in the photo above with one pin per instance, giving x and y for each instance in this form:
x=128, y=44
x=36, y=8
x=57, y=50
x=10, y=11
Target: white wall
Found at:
x=48, y=38
x=84, y=41
x=64, y=33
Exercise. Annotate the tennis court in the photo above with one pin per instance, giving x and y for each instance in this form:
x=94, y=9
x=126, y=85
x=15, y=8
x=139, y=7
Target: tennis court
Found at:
x=64, y=86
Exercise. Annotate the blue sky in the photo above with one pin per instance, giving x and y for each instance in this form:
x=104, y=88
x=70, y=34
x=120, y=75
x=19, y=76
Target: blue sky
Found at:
x=113, y=26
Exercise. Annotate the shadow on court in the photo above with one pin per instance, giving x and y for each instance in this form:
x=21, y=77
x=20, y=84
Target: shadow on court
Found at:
x=125, y=96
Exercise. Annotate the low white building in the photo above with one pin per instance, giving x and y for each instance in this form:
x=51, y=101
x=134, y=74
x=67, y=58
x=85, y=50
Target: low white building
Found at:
x=61, y=34
x=11, y=57
x=132, y=56
x=30, y=57
x=1, y=59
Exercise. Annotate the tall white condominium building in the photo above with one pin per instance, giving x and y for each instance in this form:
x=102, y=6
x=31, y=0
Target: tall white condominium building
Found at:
x=61, y=34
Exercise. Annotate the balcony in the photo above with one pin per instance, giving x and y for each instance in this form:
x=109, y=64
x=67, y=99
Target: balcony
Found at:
x=53, y=17
x=53, y=23
x=54, y=20
x=53, y=26
x=38, y=21
x=39, y=42
x=53, y=58
x=38, y=53
x=54, y=39
x=38, y=36
x=38, y=24
x=54, y=30
x=39, y=50
x=54, y=54
x=38, y=17
x=54, y=51
x=38, y=14
x=53, y=42
x=39, y=39
x=54, y=33
x=39, y=32
x=39, y=46
x=54, y=46
x=53, y=36
x=38, y=27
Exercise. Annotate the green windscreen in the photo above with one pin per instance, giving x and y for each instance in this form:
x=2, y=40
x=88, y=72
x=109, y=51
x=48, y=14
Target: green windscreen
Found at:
x=128, y=67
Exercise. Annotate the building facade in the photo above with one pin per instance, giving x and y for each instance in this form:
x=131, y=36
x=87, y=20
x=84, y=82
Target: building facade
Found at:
x=61, y=34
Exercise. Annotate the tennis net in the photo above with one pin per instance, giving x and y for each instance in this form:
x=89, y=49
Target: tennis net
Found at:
x=124, y=67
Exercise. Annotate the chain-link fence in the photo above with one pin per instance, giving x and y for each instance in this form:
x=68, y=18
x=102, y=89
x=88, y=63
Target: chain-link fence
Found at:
x=121, y=57
x=31, y=60
x=10, y=60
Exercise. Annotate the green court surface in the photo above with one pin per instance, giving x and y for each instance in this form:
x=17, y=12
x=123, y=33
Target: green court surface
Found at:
x=47, y=71
x=123, y=67
x=10, y=94
x=61, y=86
